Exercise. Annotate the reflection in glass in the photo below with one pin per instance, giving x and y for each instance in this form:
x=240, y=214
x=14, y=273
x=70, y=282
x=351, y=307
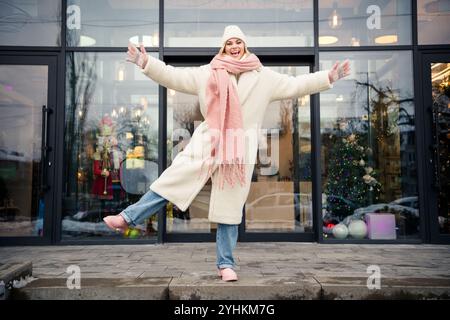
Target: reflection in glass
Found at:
x=368, y=148
x=23, y=93
x=30, y=23
x=433, y=21
x=280, y=197
x=112, y=23
x=199, y=23
x=183, y=114
x=111, y=142
x=362, y=23
x=440, y=77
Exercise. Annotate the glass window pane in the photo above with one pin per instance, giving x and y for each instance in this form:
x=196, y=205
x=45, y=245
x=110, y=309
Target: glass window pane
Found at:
x=23, y=93
x=364, y=23
x=199, y=23
x=369, y=166
x=281, y=180
x=30, y=23
x=440, y=78
x=112, y=23
x=111, y=142
x=183, y=116
x=433, y=21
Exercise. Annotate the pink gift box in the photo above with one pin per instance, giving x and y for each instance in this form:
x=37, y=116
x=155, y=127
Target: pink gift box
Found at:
x=381, y=226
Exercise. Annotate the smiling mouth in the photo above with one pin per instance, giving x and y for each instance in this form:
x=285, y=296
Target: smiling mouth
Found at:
x=235, y=53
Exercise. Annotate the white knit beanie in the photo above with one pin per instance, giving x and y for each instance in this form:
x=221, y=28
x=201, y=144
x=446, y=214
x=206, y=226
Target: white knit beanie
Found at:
x=232, y=31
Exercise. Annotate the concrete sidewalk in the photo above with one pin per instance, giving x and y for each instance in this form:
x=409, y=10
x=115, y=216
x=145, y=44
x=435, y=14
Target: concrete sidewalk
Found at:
x=266, y=271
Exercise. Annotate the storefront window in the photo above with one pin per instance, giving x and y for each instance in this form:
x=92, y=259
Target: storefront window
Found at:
x=440, y=78
x=363, y=23
x=111, y=142
x=23, y=93
x=280, y=198
x=433, y=21
x=199, y=23
x=369, y=171
x=183, y=114
x=112, y=23
x=30, y=23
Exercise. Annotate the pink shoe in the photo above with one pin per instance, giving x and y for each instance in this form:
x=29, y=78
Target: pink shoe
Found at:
x=228, y=274
x=116, y=223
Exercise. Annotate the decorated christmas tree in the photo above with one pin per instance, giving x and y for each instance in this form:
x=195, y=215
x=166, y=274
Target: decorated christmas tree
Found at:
x=351, y=181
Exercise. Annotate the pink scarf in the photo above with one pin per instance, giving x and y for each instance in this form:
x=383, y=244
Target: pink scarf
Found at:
x=224, y=117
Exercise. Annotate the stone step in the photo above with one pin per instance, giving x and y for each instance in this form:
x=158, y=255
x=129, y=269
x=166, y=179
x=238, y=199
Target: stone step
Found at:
x=205, y=287
x=356, y=288
x=209, y=287
x=10, y=272
x=95, y=289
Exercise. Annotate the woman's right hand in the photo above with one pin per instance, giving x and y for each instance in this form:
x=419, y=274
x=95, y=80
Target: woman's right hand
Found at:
x=137, y=57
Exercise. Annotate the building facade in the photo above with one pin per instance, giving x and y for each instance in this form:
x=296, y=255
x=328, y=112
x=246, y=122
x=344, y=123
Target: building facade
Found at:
x=83, y=133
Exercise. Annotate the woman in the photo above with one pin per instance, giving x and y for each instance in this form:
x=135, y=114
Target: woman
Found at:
x=234, y=90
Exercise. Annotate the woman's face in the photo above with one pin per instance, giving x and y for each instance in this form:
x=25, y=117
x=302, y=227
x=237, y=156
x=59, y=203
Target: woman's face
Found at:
x=235, y=48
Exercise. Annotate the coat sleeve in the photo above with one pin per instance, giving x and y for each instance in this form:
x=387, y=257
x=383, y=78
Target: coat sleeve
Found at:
x=288, y=87
x=180, y=79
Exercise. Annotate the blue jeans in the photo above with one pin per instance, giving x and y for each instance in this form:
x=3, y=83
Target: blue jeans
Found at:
x=226, y=239
x=150, y=203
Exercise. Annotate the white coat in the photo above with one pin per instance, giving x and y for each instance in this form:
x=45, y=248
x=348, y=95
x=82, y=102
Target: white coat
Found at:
x=184, y=178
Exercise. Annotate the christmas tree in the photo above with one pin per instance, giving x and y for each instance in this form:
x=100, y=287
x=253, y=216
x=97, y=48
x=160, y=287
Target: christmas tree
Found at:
x=351, y=182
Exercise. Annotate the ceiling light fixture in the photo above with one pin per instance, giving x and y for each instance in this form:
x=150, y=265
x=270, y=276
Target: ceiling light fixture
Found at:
x=325, y=40
x=86, y=41
x=335, y=20
x=386, y=39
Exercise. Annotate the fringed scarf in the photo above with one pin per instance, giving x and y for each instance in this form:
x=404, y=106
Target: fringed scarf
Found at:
x=224, y=118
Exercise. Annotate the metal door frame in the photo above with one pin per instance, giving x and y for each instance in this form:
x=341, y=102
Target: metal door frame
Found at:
x=430, y=211
x=48, y=146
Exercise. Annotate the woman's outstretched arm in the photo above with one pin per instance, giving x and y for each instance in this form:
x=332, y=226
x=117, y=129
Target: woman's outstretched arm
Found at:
x=180, y=79
x=288, y=87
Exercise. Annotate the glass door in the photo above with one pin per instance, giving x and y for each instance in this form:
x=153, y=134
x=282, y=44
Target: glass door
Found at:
x=279, y=206
x=27, y=102
x=437, y=100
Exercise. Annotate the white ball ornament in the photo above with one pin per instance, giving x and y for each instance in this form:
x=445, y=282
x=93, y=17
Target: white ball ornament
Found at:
x=357, y=229
x=340, y=231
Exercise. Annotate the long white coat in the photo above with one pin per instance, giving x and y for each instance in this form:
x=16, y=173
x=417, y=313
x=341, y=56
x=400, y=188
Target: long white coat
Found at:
x=185, y=177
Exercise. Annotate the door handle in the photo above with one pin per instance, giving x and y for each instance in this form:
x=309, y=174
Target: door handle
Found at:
x=44, y=187
x=435, y=147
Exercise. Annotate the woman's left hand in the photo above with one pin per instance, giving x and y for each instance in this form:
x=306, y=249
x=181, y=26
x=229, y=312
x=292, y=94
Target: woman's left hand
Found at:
x=339, y=71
